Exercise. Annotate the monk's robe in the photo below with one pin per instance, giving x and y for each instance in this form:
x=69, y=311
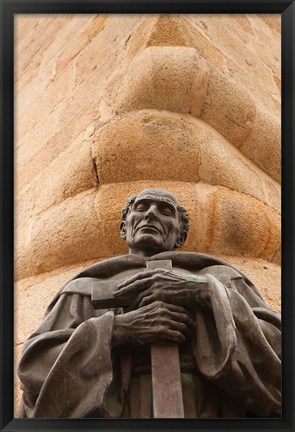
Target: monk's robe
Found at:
x=230, y=367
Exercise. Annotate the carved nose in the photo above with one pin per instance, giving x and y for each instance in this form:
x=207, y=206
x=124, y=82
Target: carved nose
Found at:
x=151, y=212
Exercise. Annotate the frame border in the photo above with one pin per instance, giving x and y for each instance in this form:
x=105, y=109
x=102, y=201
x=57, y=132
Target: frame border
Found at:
x=7, y=10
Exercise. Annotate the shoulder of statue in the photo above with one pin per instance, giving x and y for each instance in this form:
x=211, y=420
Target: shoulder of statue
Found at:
x=199, y=262
x=82, y=283
x=109, y=267
x=223, y=273
x=193, y=260
x=82, y=286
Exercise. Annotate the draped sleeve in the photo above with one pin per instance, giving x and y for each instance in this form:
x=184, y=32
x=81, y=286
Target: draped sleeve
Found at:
x=66, y=366
x=238, y=343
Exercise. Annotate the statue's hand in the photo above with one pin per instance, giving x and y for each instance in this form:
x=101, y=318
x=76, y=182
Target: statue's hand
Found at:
x=164, y=285
x=154, y=322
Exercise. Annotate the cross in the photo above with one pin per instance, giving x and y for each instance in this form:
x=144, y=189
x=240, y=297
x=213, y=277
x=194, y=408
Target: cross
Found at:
x=166, y=378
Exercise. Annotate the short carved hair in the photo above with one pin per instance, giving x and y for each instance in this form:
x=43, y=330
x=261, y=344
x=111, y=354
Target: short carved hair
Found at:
x=182, y=213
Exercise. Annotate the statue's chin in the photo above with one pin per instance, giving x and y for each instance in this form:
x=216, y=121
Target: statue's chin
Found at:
x=148, y=244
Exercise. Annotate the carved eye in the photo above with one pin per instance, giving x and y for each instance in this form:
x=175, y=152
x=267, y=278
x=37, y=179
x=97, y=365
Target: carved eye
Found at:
x=167, y=211
x=141, y=207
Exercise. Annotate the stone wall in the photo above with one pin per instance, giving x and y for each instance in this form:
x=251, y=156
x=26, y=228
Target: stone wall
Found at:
x=108, y=105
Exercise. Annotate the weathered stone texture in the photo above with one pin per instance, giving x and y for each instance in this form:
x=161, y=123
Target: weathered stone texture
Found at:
x=108, y=105
x=86, y=226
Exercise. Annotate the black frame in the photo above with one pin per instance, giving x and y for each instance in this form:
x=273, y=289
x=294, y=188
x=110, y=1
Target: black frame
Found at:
x=7, y=10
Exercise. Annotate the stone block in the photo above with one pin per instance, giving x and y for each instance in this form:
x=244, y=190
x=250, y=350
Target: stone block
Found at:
x=167, y=78
x=263, y=145
x=241, y=225
x=146, y=145
x=67, y=175
x=168, y=146
x=229, y=108
x=66, y=233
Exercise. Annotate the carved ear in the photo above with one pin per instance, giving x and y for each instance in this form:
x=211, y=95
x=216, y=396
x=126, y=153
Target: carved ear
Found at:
x=181, y=239
x=123, y=230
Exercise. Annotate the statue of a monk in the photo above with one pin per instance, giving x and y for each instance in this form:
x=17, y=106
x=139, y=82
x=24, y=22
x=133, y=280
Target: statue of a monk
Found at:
x=87, y=362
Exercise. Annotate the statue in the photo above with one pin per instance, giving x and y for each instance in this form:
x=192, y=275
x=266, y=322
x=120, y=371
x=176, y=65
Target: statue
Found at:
x=91, y=355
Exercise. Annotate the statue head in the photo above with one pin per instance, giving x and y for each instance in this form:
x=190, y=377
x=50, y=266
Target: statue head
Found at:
x=153, y=221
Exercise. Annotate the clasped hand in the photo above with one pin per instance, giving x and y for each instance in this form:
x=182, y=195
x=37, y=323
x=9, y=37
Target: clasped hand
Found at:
x=167, y=286
x=159, y=302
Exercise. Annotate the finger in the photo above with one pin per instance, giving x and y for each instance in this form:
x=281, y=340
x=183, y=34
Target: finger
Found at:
x=136, y=286
x=175, y=308
x=170, y=307
x=183, y=318
x=136, y=303
x=176, y=325
x=152, y=295
x=179, y=315
x=144, y=299
x=172, y=312
x=172, y=335
x=148, y=297
x=140, y=276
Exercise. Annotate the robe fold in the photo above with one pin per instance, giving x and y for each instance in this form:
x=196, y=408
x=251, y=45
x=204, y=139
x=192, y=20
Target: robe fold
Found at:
x=230, y=368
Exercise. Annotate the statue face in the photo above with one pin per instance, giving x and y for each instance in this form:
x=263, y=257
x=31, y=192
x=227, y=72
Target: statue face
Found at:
x=152, y=225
